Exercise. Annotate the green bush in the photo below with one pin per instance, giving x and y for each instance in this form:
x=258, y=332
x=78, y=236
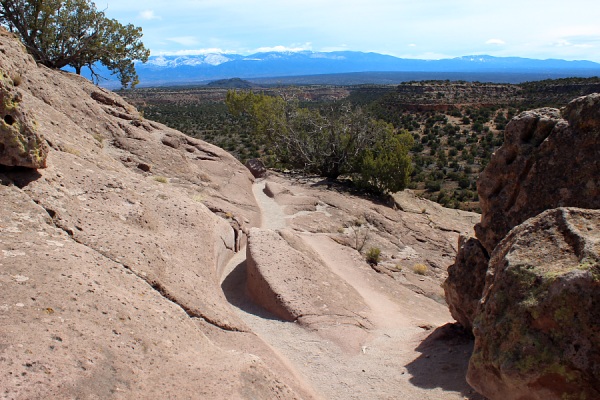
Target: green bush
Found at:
x=373, y=255
x=343, y=140
x=387, y=166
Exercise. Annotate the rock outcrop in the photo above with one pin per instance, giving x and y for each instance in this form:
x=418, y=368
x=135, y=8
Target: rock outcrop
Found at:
x=466, y=281
x=536, y=327
x=549, y=159
x=538, y=330
x=256, y=167
x=111, y=257
x=546, y=162
x=20, y=142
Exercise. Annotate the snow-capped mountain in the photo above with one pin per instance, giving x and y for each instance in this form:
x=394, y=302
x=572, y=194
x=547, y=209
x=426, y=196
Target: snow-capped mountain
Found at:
x=189, y=69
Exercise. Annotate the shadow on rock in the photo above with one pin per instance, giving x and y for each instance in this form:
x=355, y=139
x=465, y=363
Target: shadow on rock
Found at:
x=18, y=176
x=443, y=361
x=234, y=288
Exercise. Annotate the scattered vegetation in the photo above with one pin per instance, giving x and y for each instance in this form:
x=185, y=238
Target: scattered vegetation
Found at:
x=72, y=150
x=161, y=179
x=373, y=255
x=98, y=137
x=336, y=141
x=360, y=232
x=455, y=126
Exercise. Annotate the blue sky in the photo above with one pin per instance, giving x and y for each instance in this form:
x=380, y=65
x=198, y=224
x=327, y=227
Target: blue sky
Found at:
x=430, y=29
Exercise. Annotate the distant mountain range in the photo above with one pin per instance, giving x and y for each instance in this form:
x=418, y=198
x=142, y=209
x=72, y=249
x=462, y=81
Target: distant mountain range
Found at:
x=366, y=67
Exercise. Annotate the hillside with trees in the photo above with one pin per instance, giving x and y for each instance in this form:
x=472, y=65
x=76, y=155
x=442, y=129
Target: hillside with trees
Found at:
x=455, y=126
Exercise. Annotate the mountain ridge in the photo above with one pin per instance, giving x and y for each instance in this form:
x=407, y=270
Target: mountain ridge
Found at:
x=164, y=70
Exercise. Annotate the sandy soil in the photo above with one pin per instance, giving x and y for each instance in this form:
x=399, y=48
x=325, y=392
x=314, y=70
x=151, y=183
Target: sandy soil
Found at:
x=411, y=351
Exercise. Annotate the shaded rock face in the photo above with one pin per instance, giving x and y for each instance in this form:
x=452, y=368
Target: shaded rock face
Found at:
x=21, y=145
x=466, y=281
x=546, y=162
x=256, y=167
x=537, y=334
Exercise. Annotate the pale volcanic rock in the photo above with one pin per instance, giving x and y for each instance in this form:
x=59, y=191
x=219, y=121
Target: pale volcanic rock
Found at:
x=111, y=258
x=76, y=324
x=421, y=232
x=288, y=278
x=537, y=333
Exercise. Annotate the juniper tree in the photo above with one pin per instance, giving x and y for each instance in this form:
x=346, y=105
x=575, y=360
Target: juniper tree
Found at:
x=60, y=33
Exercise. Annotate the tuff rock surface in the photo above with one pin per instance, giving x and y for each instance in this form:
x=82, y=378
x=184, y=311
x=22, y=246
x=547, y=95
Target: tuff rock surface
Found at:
x=288, y=278
x=111, y=257
x=466, y=280
x=549, y=159
x=537, y=334
x=114, y=261
x=20, y=141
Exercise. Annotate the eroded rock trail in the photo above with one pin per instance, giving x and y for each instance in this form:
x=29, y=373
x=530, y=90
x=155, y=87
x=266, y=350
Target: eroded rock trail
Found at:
x=366, y=349
x=118, y=281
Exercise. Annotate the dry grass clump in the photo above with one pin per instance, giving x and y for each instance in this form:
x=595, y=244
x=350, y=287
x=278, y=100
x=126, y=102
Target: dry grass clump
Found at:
x=71, y=150
x=161, y=179
x=420, y=269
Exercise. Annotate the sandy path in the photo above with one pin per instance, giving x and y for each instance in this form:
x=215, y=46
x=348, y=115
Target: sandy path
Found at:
x=272, y=216
x=397, y=361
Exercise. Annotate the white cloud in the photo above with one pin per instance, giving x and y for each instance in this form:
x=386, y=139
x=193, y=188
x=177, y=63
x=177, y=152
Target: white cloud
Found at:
x=281, y=49
x=184, y=40
x=496, y=42
x=148, y=15
x=567, y=43
x=412, y=45
x=562, y=43
x=195, y=52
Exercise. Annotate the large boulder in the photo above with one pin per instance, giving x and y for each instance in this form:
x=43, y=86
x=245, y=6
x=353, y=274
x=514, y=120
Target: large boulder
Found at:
x=549, y=159
x=289, y=279
x=21, y=144
x=546, y=162
x=537, y=334
x=256, y=167
x=466, y=280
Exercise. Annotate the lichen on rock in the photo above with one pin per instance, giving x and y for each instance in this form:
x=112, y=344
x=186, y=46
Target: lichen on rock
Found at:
x=550, y=158
x=537, y=333
x=20, y=143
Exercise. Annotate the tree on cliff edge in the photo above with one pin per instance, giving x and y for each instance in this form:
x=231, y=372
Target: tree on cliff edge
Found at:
x=60, y=33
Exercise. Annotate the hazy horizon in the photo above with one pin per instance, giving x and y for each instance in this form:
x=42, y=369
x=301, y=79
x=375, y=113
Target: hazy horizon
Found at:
x=432, y=29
